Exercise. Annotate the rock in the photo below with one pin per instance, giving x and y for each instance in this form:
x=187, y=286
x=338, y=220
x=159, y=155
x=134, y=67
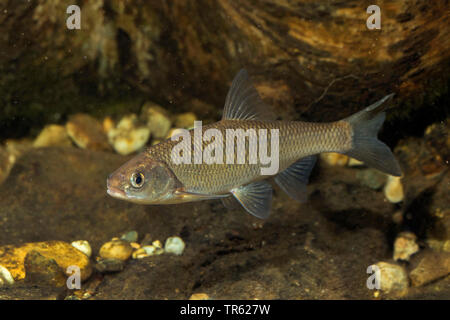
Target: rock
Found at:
x=65, y=255
x=83, y=246
x=87, y=132
x=199, y=296
x=43, y=271
x=109, y=265
x=431, y=266
x=108, y=124
x=405, y=246
x=392, y=277
x=174, y=245
x=131, y=236
x=393, y=190
x=334, y=159
x=352, y=162
x=116, y=249
x=147, y=251
x=128, y=136
x=185, y=120
x=174, y=131
x=157, y=120
x=371, y=178
x=52, y=135
x=140, y=253
x=6, y=279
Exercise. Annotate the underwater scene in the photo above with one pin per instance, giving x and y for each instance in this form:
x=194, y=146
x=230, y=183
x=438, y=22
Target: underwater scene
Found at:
x=224, y=150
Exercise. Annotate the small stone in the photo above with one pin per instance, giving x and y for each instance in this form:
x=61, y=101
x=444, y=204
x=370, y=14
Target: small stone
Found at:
x=128, y=136
x=155, y=142
x=109, y=265
x=334, y=159
x=41, y=270
x=131, y=236
x=174, y=132
x=199, y=296
x=140, y=254
x=117, y=249
x=157, y=120
x=135, y=245
x=405, y=246
x=153, y=250
x=185, y=120
x=352, y=162
x=108, y=124
x=157, y=244
x=87, y=132
x=393, y=190
x=174, y=245
x=83, y=246
x=392, y=277
x=52, y=135
x=6, y=279
x=432, y=266
x=371, y=178
x=64, y=254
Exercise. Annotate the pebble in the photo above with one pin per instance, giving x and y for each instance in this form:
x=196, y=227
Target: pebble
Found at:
x=13, y=257
x=432, y=266
x=393, y=190
x=334, y=159
x=174, y=132
x=140, y=254
x=392, y=277
x=371, y=178
x=83, y=246
x=131, y=236
x=52, y=135
x=109, y=265
x=5, y=277
x=185, y=120
x=128, y=136
x=42, y=271
x=352, y=162
x=405, y=246
x=199, y=296
x=87, y=132
x=108, y=124
x=157, y=119
x=116, y=249
x=174, y=245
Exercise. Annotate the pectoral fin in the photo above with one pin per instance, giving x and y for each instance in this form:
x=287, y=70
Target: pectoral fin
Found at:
x=256, y=198
x=294, y=179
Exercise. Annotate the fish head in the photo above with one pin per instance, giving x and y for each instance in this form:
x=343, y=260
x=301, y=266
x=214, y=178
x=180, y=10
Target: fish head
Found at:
x=142, y=180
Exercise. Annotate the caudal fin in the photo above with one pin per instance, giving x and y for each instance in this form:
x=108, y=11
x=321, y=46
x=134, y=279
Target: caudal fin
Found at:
x=365, y=145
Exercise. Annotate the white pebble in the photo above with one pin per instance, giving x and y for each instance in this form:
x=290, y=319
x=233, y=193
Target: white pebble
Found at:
x=393, y=190
x=5, y=277
x=83, y=246
x=174, y=245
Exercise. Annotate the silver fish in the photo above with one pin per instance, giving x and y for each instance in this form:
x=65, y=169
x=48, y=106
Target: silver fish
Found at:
x=153, y=177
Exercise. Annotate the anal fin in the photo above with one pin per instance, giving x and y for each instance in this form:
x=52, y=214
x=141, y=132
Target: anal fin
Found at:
x=294, y=179
x=255, y=197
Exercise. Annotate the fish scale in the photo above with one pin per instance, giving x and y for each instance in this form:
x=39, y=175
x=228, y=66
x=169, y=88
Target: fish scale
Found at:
x=296, y=140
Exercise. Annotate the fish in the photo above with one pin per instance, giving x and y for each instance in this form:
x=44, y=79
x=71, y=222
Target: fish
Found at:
x=155, y=176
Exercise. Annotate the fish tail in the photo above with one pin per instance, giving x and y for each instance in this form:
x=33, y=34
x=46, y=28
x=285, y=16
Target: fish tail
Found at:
x=365, y=145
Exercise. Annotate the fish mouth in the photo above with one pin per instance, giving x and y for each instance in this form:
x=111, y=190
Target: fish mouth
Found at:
x=114, y=191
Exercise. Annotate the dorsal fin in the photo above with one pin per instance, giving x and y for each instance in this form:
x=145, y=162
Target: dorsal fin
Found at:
x=243, y=101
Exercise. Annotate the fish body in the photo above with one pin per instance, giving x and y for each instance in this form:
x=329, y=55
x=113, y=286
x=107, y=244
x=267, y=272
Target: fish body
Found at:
x=156, y=176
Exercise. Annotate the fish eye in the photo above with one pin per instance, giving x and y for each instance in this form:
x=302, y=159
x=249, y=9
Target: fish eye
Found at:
x=137, y=179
